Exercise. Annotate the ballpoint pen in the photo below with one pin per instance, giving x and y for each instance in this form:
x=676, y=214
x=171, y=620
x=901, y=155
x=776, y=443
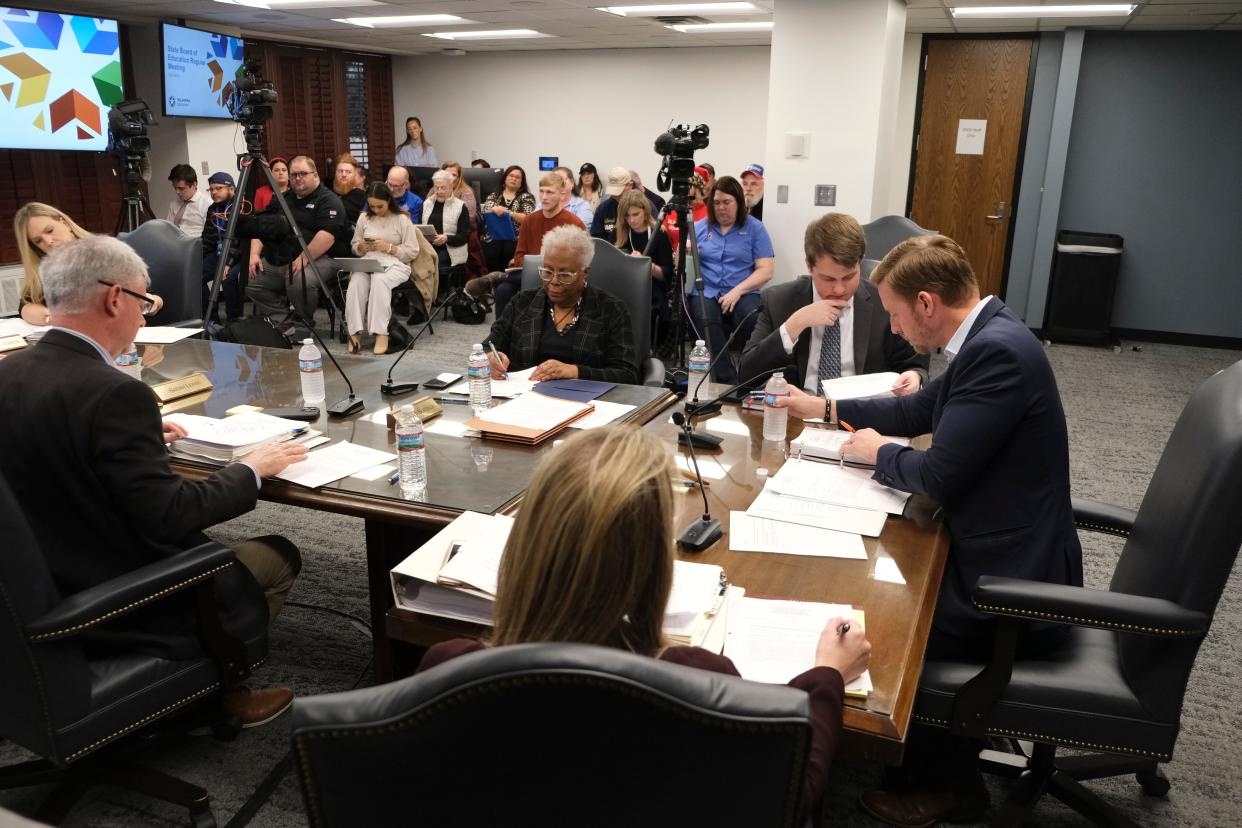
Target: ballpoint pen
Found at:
x=495, y=353
x=841, y=458
x=844, y=628
x=393, y=478
x=454, y=400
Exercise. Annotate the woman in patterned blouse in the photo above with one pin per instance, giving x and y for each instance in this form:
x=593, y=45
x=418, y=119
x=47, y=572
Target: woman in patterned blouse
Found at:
x=513, y=200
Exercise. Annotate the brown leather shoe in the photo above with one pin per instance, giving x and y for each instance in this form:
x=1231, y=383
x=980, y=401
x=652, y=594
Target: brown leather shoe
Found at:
x=257, y=707
x=923, y=807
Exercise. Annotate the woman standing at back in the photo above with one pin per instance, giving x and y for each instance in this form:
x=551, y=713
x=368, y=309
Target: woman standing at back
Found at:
x=414, y=151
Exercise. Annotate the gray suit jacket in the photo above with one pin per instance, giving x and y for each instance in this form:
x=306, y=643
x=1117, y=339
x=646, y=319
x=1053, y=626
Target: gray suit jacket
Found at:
x=876, y=347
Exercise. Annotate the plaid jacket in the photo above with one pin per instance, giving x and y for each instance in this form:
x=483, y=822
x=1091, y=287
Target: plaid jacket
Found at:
x=602, y=340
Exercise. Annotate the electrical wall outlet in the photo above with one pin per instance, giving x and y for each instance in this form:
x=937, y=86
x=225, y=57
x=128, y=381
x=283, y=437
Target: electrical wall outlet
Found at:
x=782, y=194
x=825, y=195
x=206, y=169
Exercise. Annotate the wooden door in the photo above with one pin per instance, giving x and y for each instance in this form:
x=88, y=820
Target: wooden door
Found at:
x=966, y=196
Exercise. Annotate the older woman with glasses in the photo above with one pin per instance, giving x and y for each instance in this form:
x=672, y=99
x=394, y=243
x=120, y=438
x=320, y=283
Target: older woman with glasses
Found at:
x=566, y=329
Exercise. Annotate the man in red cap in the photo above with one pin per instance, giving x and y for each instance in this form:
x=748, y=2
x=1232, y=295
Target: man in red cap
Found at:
x=752, y=186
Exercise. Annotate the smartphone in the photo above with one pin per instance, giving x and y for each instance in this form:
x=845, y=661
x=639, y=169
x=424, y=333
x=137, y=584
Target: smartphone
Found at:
x=442, y=381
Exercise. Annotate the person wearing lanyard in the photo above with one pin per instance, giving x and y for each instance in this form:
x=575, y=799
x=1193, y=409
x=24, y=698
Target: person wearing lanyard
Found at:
x=737, y=259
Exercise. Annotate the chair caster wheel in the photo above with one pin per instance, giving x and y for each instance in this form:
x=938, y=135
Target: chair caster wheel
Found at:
x=1153, y=782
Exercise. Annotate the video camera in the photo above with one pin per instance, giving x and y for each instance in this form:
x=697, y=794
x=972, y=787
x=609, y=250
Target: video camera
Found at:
x=677, y=145
x=252, y=97
x=127, y=129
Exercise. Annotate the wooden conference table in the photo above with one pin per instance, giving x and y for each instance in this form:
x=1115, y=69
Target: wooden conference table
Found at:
x=896, y=585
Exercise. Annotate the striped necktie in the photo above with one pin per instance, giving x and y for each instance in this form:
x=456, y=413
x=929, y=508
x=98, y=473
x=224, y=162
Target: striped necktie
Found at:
x=829, y=356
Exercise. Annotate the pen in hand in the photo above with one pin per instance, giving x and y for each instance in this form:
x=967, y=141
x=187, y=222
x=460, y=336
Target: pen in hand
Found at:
x=495, y=353
x=843, y=629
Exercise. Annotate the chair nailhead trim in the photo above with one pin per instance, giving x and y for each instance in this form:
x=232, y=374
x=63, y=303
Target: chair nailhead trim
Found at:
x=132, y=605
x=1042, y=737
x=1101, y=528
x=1090, y=622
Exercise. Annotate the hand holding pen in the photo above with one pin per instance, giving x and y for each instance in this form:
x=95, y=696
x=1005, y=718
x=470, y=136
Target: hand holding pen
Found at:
x=843, y=647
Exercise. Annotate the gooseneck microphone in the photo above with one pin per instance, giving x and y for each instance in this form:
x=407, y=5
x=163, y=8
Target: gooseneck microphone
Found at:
x=711, y=441
x=705, y=531
x=390, y=388
x=694, y=407
x=349, y=405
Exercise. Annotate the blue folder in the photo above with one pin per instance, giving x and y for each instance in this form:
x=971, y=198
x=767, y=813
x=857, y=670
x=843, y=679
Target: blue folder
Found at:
x=499, y=227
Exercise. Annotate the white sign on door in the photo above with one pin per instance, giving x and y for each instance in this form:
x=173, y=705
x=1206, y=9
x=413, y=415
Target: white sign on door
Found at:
x=970, y=135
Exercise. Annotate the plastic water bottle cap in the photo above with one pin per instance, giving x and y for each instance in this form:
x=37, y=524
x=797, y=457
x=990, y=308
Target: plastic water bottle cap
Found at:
x=477, y=346
x=308, y=341
x=698, y=343
x=761, y=473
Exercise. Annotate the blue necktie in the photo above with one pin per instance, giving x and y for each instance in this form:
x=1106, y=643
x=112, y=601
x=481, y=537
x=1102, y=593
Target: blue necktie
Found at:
x=829, y=356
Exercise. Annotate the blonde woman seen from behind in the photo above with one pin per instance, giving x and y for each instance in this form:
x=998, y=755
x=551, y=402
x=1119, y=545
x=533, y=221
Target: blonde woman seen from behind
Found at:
x=596, y=529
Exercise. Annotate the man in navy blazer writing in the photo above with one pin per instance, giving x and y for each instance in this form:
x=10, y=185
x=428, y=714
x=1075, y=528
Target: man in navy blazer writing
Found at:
x=998, y=463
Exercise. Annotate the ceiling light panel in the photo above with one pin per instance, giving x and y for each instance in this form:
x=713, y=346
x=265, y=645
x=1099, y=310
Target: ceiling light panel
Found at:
x=1091, y=10
x=680, y=8
x=405, y=21
x=722, y=28
x=495, y=34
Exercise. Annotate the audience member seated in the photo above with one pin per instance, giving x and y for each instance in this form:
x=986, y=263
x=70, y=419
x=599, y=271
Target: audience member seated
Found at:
x=529, y=242
x=634, y=235
x=84, y=450
x=514, y=201
x=736, y=257
x=414, y=151
x=279, y=272
x=188, y=208
x=698, y=206
x=597, y=522
x=223, y=193
x=450, y=217
x=752, y=185
x=280, y=171
x=385, y=233
x=565, y=329
x=589, y=187
x=345, y=185
x=604, y=224
x=574, y=203
x=39, y=229
x=460, y=190
x=480, y=164
x=710, y=176
x=832, y=322
x=399, y=185
x=657, y=201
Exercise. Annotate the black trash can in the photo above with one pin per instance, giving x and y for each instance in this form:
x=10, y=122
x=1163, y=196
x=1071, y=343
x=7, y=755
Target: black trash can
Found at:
x=1084, y=281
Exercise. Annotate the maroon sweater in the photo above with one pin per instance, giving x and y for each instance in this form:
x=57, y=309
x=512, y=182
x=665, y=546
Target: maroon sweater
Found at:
x=824, y=685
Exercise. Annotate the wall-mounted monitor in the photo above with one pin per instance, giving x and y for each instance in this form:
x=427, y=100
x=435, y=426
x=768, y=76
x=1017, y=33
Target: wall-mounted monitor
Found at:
x=59, y=75
x=547, y=163
x=198, y=71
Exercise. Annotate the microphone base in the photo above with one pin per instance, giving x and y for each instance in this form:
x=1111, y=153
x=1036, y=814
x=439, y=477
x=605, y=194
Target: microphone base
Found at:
x=699, y=440
x=697, y=409
x=345, y=407
x=700, y=534
x=393, y=389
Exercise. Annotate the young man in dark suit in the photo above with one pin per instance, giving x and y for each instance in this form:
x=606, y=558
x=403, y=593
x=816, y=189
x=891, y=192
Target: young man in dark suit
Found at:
x=84, y=452
x=830, y=324
x=998, y=464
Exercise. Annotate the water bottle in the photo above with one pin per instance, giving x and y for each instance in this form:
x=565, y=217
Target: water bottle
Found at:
x=479, y=370
x=775, y=419
x=412, y=453
x=310, y=363
x=129, y=362
x=700, y=360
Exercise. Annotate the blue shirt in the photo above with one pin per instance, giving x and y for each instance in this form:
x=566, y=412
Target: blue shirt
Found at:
x=582, y=209
x=412, y=203
x=727, y=259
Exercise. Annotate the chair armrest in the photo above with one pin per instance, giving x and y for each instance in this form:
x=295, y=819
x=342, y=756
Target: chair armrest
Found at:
x=128, y=592
x=652, y=371
x=1082, y=607
x=1102, y=517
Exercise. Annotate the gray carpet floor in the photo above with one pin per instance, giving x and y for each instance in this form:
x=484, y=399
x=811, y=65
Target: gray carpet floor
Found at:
x=1120, y=408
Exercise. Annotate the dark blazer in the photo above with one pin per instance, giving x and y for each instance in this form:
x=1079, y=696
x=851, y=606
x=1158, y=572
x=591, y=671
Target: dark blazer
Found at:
x=998, y=464
x=602, y=340
x=876, y=347
x=83, y=450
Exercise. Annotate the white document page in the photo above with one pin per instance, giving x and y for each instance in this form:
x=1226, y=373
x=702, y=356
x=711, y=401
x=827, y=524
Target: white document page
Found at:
x=236, y=431
x=696, y=588
x=769, y=504
x=161, y=335
x=826, y=443
x=774, y=641
x=828, y=483
x=860, y=386
x=518, y=383
x=16, y=326
x=534, y=411
x=375, y=472
x=604, y=413
x=477, y=562
x=330, y=464
x=756, y=534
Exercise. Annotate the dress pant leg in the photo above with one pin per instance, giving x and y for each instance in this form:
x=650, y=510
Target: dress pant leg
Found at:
x=275, y=563
x=379, y=305
x=356, y=302
x=326, y=267
x=506, y=289
x=268, y=291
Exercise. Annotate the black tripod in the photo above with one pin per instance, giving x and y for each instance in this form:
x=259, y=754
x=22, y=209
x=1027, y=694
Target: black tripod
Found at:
x=679, y=205
x=134, y=206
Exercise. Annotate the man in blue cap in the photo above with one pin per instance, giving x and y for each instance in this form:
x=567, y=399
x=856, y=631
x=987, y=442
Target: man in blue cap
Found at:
x=752, y=186
x=223, y=191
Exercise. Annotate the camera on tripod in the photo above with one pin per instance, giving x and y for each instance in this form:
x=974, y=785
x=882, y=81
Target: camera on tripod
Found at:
x=127, y=129
x=677, y=145
x=252, y=98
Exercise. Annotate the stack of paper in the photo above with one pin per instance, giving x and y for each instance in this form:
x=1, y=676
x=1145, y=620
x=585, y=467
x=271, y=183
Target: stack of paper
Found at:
x=825, y=444
x=530, y=419
x=327, y=465
x=231, y=438
x=826, y=483
x=516, y=384
x=791, y=509
x=860, y=386
x=774, y=641
x=698, y=590
x=748, y=533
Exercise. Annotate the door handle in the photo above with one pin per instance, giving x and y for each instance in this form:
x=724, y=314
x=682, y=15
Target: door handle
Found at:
x=1000, y=212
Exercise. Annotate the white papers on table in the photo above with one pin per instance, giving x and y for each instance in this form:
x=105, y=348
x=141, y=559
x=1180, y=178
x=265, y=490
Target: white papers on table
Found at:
x=770, y=504
x=827, y=483
x=693, y=602
x=860, y=386
x=709, y=466
x=163, y=335
x=748, y=533
x=16, y=326
x=534, y=411
x=604, y=413
x=477, y=562
x=774, y=641
x=330, y=464
x=233, y=437
x=826, y=444
x=518, y=383
x=375, y=472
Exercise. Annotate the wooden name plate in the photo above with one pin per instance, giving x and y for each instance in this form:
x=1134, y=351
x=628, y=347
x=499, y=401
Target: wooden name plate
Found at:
x=184, y=387
x=425, y=407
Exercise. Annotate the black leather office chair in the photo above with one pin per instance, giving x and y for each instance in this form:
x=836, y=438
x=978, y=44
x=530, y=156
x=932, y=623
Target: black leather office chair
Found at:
x=887, y=232
x=74, y=705
x=175, y=264
x=1115, y=687
x=629, y=279
x=554, y=734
